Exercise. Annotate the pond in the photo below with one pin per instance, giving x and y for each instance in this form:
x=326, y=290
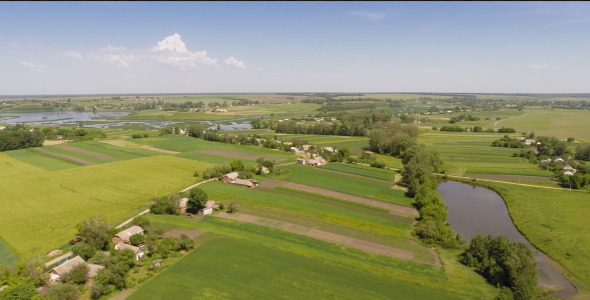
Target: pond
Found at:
x=476, y=210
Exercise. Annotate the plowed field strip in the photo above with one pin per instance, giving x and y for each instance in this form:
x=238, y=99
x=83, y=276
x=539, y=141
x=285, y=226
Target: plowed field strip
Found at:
x=72, y=159
x=89, y=153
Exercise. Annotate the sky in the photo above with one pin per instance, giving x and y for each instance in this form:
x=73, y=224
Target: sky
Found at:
x=61, y=48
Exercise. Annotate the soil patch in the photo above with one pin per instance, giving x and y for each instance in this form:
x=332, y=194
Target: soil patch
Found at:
x=395, y=209
x=89, y=153
x=324, y=236
x=177, y=232
x=242, y=155
x=72, y=159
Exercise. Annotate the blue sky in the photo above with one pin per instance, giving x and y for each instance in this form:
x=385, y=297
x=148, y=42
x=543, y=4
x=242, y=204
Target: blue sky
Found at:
x=240, y=47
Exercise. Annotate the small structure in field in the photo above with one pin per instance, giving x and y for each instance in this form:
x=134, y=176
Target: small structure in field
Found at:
x=301, y=161
x=211, y=204
x=56, y=273
x=123, y=236
x=136, y=250
x=183, y=205
x=293, y=150
x=529, y=142
x=205, y=211
x=569, y=168
x=559, y=159
x=243, y=182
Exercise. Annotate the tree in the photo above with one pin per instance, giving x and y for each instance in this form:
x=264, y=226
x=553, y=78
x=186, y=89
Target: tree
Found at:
x=84, y=250
x=141, y=221
x=94, y=231
x=136, y=239
x=77, y=275
x=196, y=199
x=237, y=165
x=63, y=292
x=19, y=292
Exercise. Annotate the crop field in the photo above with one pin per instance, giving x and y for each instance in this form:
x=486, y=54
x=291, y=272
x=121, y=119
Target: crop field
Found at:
x=46, y=162
x=267, y=262
x=556, y=222
x=471, y=154
x=354, y=185
x=560, y=123
x=40, y=209
x=361, y=170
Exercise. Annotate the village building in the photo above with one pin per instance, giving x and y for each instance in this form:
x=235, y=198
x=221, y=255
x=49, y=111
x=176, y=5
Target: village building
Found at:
x=318, y=161
x=548, y=160
x=568, y=173
x=136, y=250
x=243, y=182
x=301, y=161
x=211, y=204
x=264, y=170
x=329, y=149
x=529, y=142
x=123, y=236
x=230, y=177
x=183, y=205
x=559, y=159
x=205, y=211
x=569, y=168
x=305, y=147
x=293, y=150
x=56, y=273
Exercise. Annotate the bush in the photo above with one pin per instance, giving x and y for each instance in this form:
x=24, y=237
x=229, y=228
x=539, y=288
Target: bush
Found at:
x=84, y=250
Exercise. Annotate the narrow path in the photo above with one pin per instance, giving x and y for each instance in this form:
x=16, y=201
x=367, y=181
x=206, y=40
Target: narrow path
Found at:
x=326, y=236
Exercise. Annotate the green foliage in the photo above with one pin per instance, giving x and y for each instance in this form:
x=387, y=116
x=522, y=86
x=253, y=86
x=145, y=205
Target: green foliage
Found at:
x=84, y=250
x=503, y=263
x=237, y=165
x=63, y=292
x=141, y=221
x=166, y=205
x=196, y=199
x=184, y=243
x=216, y=171
x=76, y=276
x=508, y=142
x=165, y=247
x=506, y=130
x=94, y=231
x=583, y=152
x=453, y=128
x=20, y=136
x=232, y=208
x=392, y=138
x=136, y=239
x=22, y=291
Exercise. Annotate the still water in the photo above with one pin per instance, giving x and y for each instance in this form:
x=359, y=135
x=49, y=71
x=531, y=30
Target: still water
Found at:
x=476, y=210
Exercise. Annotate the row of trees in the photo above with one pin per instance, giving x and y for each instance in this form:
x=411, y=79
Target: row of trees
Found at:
x=344, y=128
x=392, y=138
x=20, y=136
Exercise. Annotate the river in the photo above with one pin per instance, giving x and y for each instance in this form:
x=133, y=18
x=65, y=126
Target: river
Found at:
x=476, y=210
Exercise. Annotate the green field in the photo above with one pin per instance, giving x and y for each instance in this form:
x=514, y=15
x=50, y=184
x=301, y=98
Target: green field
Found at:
x=361, y=170
x=354, y=185
x=560, y=123
x=39, y=210
x=7, y=255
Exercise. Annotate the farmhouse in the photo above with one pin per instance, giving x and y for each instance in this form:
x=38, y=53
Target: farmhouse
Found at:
x=548, y=160
x=243, y=182
x=123, y=236
x=569, y=168
x=205, y=211
x=64, y=268
x=529, y=142
x=293, y=150
x=329, y=149
x=230, y=177
x=568, y=173
x=301, y=161
x=264, y=170
x=559, y=159
x=211, y=204
x=305, y=147
x=136, y=250
x=318, y=161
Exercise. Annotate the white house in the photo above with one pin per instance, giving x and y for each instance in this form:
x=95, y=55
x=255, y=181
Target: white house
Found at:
x=136, y=250
x=205, y=211
x=64, y=268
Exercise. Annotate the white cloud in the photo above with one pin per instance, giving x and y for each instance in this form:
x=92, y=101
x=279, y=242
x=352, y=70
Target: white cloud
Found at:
x=118, y=56
x=32, y=65
x=73, y=54
x=232, y=61
x=370, y=16
x=536, y=66
x=172, y=50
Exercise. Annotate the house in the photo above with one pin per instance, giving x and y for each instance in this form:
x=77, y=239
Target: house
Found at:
x=183, y=205
x=305, y=147
x=243, y=182
x=318, y=161
x=211, y=204
x=301, y=161
x=287, y=143
x=91, y=271
x=529, y=142
x=293, y=150
x=569, y=168
x=520, y=138
x=136, y=250
x=568, y=173
x=559, y=159
x=65, y=268
x=264, y=170
x=123, y=236
x=230, y=177
x=546, y=160
x=329, y=149
x=205, y=211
